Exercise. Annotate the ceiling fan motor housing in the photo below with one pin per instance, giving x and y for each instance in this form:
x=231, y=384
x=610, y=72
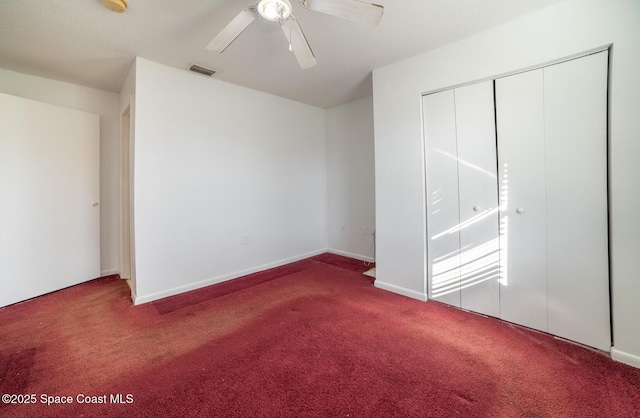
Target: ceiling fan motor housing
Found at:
x=274, y=10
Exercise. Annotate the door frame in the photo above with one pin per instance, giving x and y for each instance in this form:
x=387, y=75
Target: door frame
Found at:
x=127, y=265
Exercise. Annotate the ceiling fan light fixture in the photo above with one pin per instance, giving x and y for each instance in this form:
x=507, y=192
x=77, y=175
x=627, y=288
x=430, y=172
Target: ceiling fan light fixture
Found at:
x=274, y=10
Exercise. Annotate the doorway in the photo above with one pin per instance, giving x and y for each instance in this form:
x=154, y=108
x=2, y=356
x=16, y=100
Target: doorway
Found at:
x=126, y=199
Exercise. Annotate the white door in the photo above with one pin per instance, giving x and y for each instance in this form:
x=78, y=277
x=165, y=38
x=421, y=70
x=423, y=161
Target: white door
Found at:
x=478, y=197
x=443, y=240
x=49, y=184
x=575, y=115
x=520, y=123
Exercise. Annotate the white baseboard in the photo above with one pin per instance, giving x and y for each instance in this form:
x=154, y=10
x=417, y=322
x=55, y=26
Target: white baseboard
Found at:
x=401, y=290
x=351, y=255
x=138, y=300
x=624, y=357
x=109, y=272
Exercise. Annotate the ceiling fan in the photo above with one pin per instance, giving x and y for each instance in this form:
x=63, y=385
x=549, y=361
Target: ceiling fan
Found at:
x=281, y=11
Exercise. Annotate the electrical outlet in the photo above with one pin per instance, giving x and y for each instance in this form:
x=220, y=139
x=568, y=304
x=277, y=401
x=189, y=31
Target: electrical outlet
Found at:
x=245, y=239
x=364, y=230
x=343, y=228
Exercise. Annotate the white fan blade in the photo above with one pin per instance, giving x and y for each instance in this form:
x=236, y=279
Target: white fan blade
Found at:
x=299, y=45
x=355, y=10
x=233, y=29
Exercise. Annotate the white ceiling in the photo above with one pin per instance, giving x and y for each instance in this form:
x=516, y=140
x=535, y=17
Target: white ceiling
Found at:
x=80, y=41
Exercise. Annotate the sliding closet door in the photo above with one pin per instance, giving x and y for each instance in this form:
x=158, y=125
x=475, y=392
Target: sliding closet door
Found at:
x=443, y=242
x=478, y=197
x=575, y=94
x=521, y=157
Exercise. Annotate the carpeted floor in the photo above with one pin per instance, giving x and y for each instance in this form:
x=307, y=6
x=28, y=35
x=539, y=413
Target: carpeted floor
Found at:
x=313, y=338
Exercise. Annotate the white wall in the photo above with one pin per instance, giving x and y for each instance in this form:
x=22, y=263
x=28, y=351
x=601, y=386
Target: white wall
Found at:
x=351, y=178
x=553, y=33
x=215, y=162
x=90, y=100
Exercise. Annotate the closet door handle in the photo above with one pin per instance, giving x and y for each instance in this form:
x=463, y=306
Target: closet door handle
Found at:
x=520, y=211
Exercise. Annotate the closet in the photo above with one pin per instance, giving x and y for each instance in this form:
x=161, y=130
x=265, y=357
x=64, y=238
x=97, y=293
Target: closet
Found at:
x=516, y=177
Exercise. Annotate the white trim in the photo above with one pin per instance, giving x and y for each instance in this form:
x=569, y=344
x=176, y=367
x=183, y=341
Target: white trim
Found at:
x=626, y=358
x=109, y=272
x=138, y=300
x=526, y=69
x=351, y=255
x=401, y=290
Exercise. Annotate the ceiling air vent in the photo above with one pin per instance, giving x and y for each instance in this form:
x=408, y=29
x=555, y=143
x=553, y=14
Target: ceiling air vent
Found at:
x=201, y=70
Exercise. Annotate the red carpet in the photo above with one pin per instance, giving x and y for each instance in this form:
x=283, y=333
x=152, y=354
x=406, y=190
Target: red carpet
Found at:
x=313, y=338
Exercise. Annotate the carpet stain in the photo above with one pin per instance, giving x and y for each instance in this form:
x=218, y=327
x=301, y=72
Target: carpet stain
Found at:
x=188, y=299
x=16, y=370
x=117, y=338
x=466, y=399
